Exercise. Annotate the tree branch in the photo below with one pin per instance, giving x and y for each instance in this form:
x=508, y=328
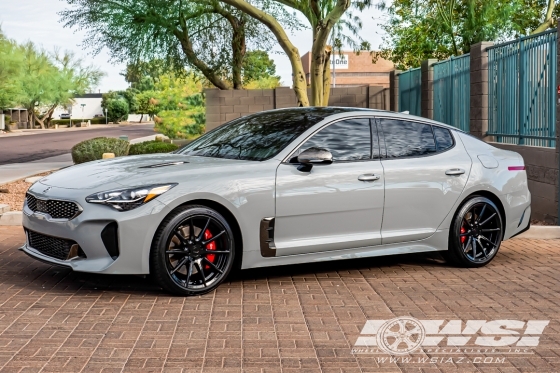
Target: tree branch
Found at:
x=548, y=21
x=290, y=50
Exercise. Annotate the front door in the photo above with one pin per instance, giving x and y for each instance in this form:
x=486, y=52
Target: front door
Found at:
x=426, y=170
x=336, y=206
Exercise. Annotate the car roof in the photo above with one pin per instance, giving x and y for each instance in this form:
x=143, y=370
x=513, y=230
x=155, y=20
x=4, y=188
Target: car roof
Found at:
x=338, y=112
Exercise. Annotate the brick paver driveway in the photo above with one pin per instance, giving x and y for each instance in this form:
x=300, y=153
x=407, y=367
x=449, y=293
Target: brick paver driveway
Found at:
x=292, y=319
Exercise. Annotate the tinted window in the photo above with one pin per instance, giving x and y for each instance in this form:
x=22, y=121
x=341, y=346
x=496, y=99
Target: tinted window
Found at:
x=444, y=140
x=407, y=139
x=258, y=136
x=347, y=140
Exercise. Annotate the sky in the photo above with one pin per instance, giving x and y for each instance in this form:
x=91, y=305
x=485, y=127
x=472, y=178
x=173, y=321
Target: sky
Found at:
x=38, y=21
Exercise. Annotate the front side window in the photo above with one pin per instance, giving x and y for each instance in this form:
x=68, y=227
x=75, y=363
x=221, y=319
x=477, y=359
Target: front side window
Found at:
x=407, y=139
x=347, y=140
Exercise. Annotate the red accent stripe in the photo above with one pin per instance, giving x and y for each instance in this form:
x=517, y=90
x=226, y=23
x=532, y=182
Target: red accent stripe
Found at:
x=516, y=168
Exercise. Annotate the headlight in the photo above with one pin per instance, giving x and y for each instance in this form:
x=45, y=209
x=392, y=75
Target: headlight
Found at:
x=128, y=199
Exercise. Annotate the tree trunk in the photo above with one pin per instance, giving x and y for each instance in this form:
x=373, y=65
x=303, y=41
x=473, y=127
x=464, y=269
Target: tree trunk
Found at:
x=48, y=116
x=548, y=20
x=317, y=66
x=239, y=48
x=141, y=117
x=327, y=76
x=36, y=119
x=298, y=76
x=186, y=46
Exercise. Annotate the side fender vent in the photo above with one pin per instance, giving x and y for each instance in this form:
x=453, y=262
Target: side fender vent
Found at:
x=268, y=249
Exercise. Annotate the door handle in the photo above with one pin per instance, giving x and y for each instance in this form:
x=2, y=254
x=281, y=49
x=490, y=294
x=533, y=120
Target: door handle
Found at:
x=455, y=171
x=368, y=177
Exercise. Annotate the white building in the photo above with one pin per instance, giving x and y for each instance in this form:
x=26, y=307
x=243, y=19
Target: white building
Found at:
x=85, y=106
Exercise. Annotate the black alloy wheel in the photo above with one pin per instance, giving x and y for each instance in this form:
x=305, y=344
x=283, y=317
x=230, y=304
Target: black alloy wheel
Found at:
x=476, y=233
x=193, y=251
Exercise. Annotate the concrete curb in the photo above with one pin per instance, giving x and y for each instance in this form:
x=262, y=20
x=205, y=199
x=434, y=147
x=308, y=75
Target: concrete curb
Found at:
x=11, y=218
x=541, y=232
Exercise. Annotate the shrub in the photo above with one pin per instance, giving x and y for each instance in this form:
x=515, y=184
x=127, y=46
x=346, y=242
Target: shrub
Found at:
x=151, y=147
x=98, y=120
x=93, y=149
x=117, y=110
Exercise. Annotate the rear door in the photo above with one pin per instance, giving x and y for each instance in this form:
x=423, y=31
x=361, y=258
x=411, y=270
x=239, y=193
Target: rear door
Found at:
x=426, y=170
x=336, y=206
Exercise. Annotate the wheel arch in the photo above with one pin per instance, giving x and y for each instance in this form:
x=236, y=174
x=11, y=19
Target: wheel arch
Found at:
x=492, y=197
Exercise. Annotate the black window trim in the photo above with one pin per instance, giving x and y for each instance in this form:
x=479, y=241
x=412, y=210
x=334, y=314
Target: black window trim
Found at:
x=371, y=121
x=383, y=148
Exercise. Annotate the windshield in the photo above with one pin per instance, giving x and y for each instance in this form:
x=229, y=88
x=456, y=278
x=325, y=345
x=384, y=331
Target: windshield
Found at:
x=260, y=136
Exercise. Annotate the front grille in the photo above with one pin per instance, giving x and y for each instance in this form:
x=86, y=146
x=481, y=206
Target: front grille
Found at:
x=52, y=246
x=55, y=208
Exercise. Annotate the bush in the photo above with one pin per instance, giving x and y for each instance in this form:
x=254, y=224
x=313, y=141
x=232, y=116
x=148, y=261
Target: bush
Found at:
x=151, y=147
x=117, y=110
x=93, y=149
x=99, y=120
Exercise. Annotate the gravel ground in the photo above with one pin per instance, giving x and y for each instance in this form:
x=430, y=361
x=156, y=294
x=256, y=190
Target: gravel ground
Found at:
x=13, y=194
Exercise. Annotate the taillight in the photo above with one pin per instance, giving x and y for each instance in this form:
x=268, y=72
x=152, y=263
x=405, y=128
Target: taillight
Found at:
x=516, y=168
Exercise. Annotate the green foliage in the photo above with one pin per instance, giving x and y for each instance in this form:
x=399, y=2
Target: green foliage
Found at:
x=257, y=65
x=180, y=107
x=151, y=147
x=116, y=105
x=11, y=60
x=207, y=36
x=143, y=75
x=418, y=30
x=41, y=81
x=93, y=149
x=98, y=120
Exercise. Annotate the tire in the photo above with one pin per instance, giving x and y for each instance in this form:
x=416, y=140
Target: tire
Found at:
x=185, y=264
x=476, y=233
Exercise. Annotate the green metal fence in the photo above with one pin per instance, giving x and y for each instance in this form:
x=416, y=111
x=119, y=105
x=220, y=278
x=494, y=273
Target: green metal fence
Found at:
x=452, y=91
x=410, y=91
x=521, y=90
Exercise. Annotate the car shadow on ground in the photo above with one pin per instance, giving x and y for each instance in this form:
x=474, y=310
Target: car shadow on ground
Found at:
x=321, y=268
x=40, y=277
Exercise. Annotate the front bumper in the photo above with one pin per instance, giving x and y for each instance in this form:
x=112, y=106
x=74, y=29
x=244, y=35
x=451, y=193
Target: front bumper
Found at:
x=136, y=229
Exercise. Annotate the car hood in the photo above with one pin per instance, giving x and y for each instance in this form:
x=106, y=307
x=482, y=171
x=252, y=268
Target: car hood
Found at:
x=134, y=171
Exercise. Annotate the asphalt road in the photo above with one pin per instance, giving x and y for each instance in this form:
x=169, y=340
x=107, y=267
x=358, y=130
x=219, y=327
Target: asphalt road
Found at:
x=27, y=148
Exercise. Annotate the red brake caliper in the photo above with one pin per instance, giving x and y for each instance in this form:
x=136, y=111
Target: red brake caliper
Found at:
x=464, y=238
x=210, y=246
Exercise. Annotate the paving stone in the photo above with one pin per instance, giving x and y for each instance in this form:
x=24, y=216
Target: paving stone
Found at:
x=303, y=318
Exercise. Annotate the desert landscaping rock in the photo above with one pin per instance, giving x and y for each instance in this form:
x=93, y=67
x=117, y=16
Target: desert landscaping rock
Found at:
x=4, y=208
x=33, y=179
x=11, y=218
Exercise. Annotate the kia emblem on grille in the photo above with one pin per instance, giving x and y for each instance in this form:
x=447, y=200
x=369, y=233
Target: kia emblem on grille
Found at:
x=46, y=190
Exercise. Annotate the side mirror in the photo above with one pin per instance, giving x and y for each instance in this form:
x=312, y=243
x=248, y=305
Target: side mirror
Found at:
x=312, y=156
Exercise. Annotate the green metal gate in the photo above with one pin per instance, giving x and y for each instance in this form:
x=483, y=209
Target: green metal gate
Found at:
x=452, y=91
x=410, y=91
x=522, y=92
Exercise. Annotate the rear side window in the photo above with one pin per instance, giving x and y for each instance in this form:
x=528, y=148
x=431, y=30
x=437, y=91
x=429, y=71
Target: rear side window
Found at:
x=407, y=139
x=347, y=140
x=444, y=139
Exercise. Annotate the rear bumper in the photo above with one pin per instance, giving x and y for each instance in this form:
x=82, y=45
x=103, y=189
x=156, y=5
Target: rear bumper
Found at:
x=527, y=224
